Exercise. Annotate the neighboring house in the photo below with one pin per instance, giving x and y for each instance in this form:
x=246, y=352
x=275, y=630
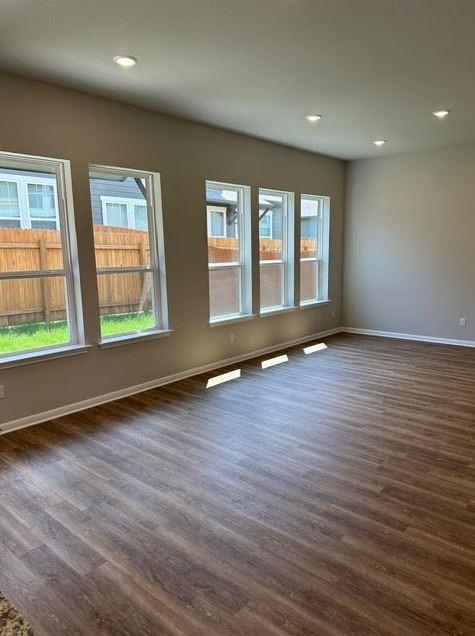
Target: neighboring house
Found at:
x=270, y=215
x=118, y=203
x=30, y=200
x=309, y=220
x=221, y=206
x=221, y=212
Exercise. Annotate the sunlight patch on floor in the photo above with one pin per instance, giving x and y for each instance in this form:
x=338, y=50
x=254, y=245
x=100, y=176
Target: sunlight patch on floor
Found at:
x=271, y=362
x=223, y=377
x=318, y=347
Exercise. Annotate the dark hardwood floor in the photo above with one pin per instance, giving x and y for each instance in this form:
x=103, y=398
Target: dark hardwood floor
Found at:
x=332, y=494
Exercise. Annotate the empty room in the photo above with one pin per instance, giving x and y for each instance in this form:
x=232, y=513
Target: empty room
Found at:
x=237, y=318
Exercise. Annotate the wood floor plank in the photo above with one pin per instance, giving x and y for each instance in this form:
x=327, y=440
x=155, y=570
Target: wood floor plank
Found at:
x=332, y=495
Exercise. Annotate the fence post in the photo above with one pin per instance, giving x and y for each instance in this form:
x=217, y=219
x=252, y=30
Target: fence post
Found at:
x=45, y=281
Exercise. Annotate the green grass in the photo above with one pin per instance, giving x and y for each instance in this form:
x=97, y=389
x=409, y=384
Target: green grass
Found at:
x=126, y=323
x=40, y=334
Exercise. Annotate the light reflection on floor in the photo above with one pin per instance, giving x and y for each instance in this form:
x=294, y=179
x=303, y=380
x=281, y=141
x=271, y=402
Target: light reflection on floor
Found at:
x=271, y=362
x=318, y=347
x=223, y=377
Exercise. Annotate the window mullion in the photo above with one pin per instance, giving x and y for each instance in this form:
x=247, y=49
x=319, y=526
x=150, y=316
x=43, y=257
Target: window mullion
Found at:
x=23, y=200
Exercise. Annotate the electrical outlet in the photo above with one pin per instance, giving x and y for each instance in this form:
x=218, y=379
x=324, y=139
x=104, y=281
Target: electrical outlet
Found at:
x=463, y=322
x=2, y=391
x=231, y=337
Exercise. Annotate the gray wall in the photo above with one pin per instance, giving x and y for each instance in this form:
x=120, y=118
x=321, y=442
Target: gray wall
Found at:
x=410, y=243
x=51, y=121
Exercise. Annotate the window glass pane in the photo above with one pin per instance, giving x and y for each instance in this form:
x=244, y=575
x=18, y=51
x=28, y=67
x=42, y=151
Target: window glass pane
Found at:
x=141, y=220
x=309, y=219
x=271, y=223
x=223, y=224
x=308, y=281
x=275, y=229
x=125, y=303
x=9, y=202
x=28, y=243
x=228, y=227
x=117, y=242
x=41, y=200
x=272, y=288
x=116, y=214
x=224, y=291
x=128, y=301
x=32, y=314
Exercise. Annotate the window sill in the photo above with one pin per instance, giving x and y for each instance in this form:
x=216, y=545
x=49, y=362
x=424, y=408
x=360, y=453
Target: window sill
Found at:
x=134, y=337
x=218, y=322
x=316, y=303
x=42, y=355
x=265, y=313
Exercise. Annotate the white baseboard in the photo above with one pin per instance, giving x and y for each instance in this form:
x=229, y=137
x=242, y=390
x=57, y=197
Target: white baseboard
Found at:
x=409, y=336
x=38, y=418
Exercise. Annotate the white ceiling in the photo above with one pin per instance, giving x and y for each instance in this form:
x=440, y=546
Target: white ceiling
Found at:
x=373, y=68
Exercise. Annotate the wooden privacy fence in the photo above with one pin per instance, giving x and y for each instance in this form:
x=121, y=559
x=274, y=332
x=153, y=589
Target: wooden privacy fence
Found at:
x=33, y=300
x=224, y=282
x=44, y=299
x=226, y=250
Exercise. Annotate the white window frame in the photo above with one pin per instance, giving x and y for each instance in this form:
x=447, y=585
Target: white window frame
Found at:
x=70, y=272
x=270, y=216
x=220, y=210
x=244, y=265
x=129, y=202
x=157, y=252
x=22, y=182
x=323, y=248
x=287, y=260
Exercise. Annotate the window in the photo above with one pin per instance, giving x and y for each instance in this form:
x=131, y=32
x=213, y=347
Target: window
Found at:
x=124, y=212
x=314, y=236
x=276, y=234
x=265, y=223
x=217, y=219
x=9, y=204
x=229, y=250
x=28, y=199
x=42, y=206
x=128, y=240
x=39, y=292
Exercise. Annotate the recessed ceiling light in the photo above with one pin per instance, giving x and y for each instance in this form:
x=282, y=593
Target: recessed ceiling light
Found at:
x=441, y=114
x=126, y=61
x=313, y=118
x=380, y=142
